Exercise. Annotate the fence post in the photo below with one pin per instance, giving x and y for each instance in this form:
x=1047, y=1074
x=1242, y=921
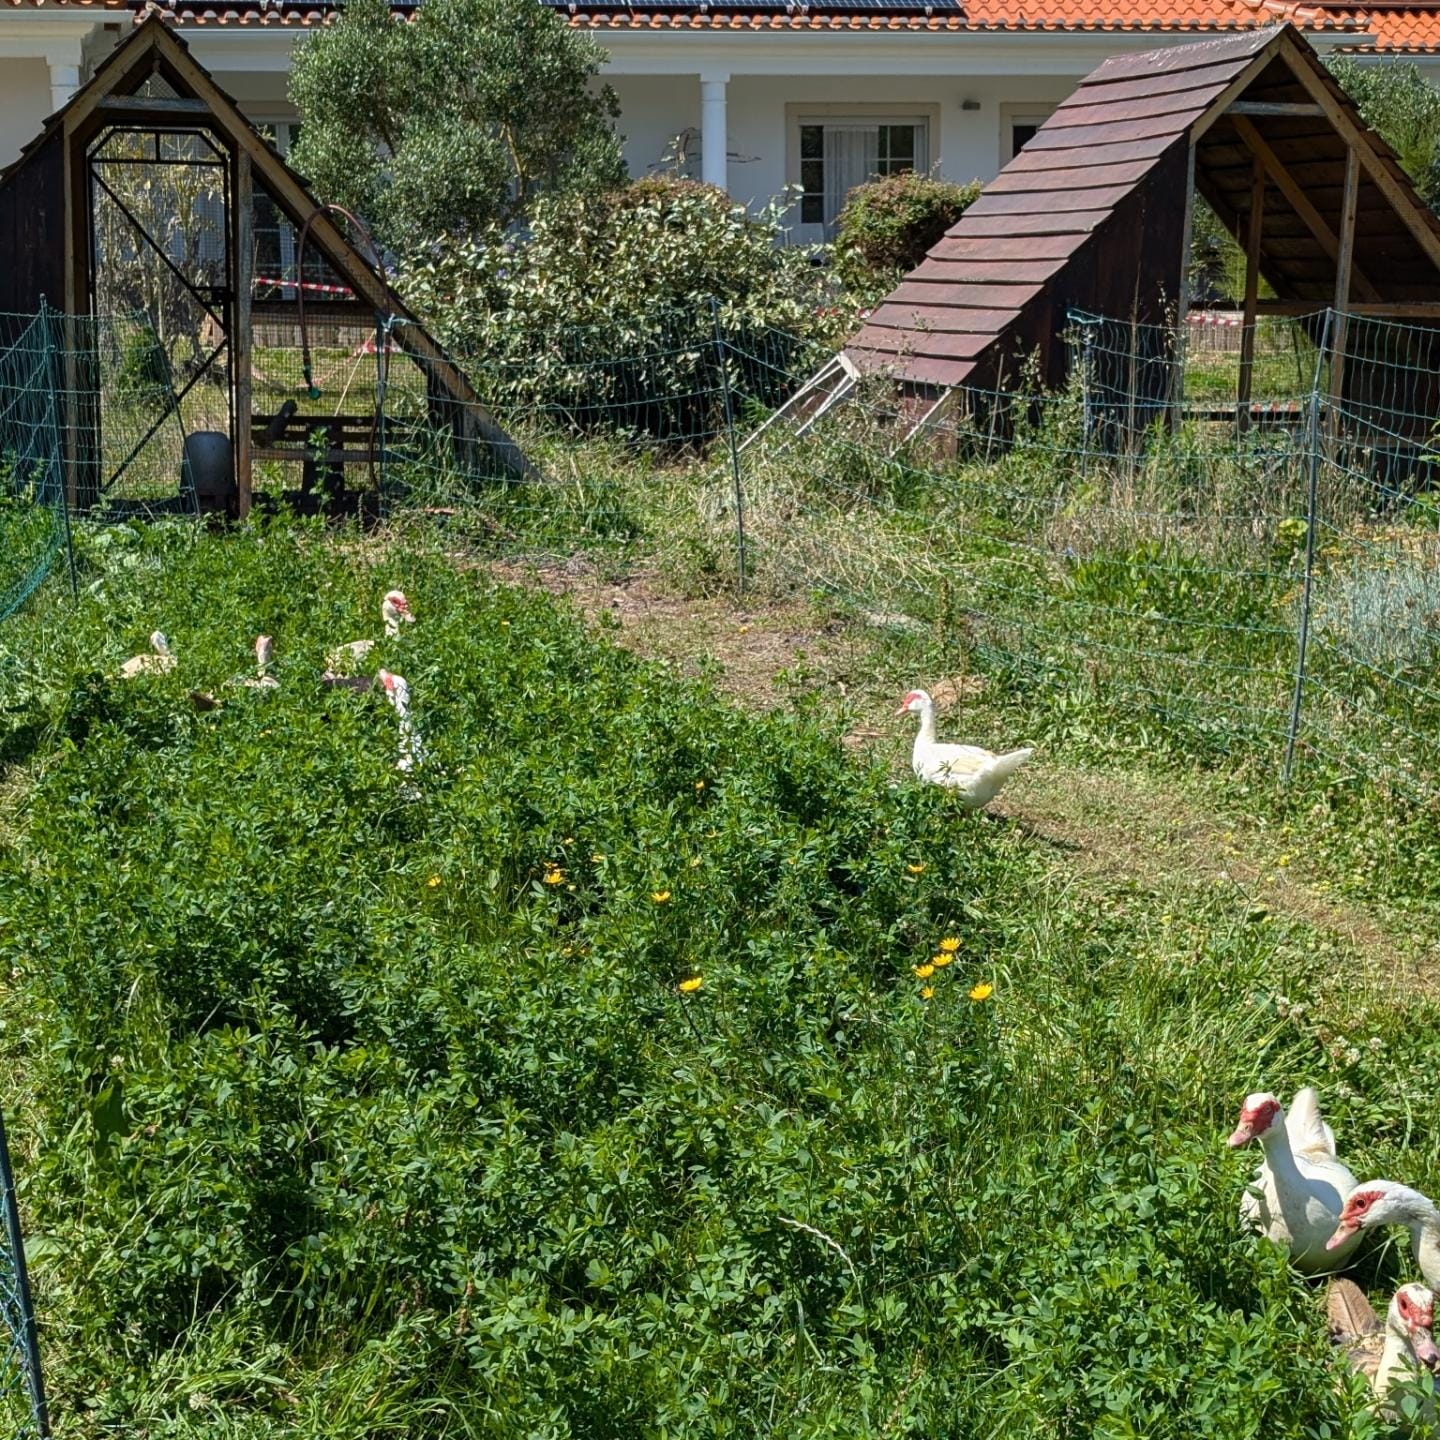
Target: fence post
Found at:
x=22, y=1311
x=50, y=371
x=734, y=447
x=1303, y=647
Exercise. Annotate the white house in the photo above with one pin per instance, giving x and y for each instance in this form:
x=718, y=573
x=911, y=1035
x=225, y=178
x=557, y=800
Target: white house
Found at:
x=753, y=95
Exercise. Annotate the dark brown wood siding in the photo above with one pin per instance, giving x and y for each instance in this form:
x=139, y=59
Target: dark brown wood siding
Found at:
x=32, y=230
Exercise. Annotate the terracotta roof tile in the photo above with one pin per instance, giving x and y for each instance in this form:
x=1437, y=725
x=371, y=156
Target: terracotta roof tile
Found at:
x=1397, y=28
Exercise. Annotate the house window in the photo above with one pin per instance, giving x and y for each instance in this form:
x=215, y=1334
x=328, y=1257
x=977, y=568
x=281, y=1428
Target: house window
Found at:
x=838, y=155
x=1021, y=131
x=274, y=234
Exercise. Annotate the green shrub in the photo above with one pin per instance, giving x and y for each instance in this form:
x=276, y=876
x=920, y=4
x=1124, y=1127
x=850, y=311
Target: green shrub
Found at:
x=453, y=121
x=887, y=227
x=599, y=316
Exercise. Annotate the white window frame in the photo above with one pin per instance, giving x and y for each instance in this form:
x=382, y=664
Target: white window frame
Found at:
x=1013, y=114
x=283, y=131
x=801, y=113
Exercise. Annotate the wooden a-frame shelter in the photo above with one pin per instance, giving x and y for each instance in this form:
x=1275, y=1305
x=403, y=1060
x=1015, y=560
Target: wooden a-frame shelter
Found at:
x=151, y=86
x=1095, y=215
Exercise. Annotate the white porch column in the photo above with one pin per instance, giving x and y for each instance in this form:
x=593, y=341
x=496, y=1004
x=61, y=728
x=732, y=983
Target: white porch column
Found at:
x=64, y=82
x=713, y=134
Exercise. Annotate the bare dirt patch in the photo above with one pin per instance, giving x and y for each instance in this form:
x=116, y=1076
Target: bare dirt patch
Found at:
x=747, y=649
x=1110, y=826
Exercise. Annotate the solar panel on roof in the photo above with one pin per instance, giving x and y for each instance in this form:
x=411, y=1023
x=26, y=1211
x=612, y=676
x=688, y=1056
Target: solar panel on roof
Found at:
x=771, y=7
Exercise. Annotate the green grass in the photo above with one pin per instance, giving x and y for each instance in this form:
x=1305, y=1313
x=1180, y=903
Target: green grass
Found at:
x=334, y=1118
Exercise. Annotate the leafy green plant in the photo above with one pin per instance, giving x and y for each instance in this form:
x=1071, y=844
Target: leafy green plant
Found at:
x=649, y=1067
x=888, y=225
x=603, y=315
x=143, y=376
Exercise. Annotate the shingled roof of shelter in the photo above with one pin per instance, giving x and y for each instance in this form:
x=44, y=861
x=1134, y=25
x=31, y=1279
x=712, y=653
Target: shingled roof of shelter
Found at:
x=1058, y=199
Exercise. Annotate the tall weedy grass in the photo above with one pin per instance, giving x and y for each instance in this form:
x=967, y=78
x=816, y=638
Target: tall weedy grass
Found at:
x=589, y=1087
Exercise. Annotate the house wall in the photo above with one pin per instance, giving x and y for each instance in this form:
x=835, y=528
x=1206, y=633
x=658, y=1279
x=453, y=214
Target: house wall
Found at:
x=654, y=109
x=24, y=104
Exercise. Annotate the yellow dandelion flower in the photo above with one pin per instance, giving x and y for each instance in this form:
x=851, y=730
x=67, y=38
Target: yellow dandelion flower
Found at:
x=983, y=991
x=695, y=862
x=949, y=945
x=927, y=992
x=554, y=875
x=923, y=972
x=660, y=897
x=690, y=986
x=504, y=624
x=941, y=960
x=916, y=869
x=568, y=840
x=433, y=881
x=597, y=858
x=699, y=784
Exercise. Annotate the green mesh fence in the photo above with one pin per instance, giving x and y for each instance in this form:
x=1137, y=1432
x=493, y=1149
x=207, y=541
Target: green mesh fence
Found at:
x=33, y=526
x=1221, y=539
x=22, y=1394
x=1236, y=581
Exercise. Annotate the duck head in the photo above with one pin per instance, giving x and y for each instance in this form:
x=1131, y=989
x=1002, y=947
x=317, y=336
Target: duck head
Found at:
x=1412, y=1319
x=1376, y=1203
x=1259, y=1115
x=395, y=608
x=915, y=702
x=158, y=643
x=397, y=690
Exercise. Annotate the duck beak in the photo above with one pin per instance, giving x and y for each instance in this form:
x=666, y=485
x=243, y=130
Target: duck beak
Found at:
x=1242, y=1135
x=1342, y=1233
x=903, y=710
x=1423, y=1344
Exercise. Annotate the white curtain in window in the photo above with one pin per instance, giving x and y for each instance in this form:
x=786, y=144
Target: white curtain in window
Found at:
x=852, y=153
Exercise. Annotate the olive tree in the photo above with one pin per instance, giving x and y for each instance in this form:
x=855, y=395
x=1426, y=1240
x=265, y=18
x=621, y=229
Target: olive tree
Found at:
x=453, y=121
x=1405, y=108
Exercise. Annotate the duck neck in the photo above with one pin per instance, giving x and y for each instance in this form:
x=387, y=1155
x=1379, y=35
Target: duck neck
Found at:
x=927, y=724
x=1425, y=1239
x=1397, y=1364
x=1279, y=1157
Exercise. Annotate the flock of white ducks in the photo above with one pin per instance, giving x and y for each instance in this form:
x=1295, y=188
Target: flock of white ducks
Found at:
x=341, y=669
x=1306, y=1201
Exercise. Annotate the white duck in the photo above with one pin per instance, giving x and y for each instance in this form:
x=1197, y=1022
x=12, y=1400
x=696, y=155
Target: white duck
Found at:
x=394, y=611
x=1394, y=1354
x=1300, y=1189
x=161, y=659
x=397, y=692
x=976, y=775
x=262, y=679
x=1385, y=1202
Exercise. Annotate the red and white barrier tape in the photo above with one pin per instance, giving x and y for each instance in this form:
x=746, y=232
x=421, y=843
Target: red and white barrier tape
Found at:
x=305, y=285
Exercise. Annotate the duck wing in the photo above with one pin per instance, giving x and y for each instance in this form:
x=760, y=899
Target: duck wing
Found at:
x=953, y=764
x=1354, y=1326
x=343, y=657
